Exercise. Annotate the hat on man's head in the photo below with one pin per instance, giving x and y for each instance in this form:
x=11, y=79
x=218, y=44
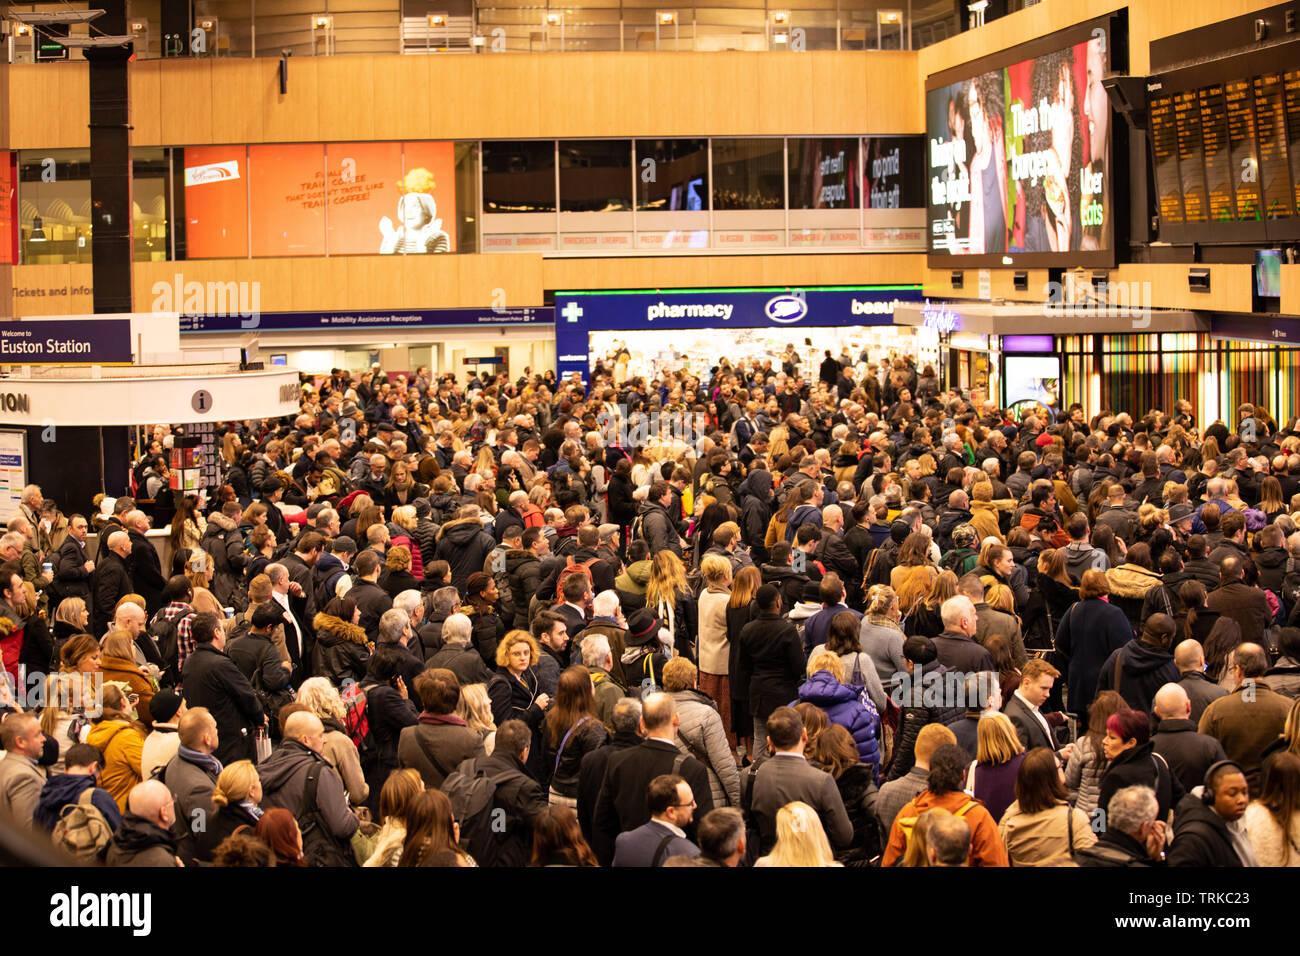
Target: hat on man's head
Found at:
x=343, y=545
x=642, y=628
x=1180, y=511
x=163, y=705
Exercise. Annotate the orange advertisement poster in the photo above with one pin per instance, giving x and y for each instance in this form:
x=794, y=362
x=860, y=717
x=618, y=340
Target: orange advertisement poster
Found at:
x=216, y=202
x=365, y=183
x=288, y=199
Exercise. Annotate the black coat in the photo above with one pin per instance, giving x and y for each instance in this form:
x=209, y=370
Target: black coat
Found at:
x=71, y=579
x=464, y=662
x=524, y=571
x=373, y=602
x=388, y=712
x=1142, y=671
x=212, y=680
x=621, y=805
x=146, y=572
x=258, y=660
x=591, y=774
x=464, y=545
x=221, y=823
x=340, y=654
x=521, y=797
x=1139, y=765
x=1188, y=753
x=770, y=664
x=112, y=582
x=1200, y=837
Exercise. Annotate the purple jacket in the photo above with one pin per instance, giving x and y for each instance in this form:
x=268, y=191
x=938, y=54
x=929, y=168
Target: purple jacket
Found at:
x=845, y=706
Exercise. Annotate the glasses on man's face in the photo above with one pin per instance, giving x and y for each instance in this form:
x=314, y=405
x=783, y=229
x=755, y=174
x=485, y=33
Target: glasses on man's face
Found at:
x=685, y=805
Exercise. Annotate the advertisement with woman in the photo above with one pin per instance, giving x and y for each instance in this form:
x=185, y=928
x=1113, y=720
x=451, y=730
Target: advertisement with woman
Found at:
x=1017, y=156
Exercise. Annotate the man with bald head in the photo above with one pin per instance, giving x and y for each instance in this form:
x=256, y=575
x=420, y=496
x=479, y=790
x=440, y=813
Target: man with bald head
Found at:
x=111, y=580
x=1189, y=658
x=296, y=766
x=191, y=775
x=1188, y=753
x=145, y=836
x=143, y=561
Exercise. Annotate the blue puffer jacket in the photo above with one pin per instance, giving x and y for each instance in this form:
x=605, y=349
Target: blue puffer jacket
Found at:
x=844, y=706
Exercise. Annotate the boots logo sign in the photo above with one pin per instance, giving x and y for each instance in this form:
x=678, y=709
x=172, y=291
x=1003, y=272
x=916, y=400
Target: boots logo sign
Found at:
x=786, y=309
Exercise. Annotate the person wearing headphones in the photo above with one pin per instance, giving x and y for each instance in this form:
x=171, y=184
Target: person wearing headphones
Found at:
x=1208, y=826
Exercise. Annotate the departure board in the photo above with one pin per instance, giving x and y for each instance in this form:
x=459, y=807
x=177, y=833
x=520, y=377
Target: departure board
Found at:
x=1241, y=145
x=1164, y=147
x=1270, y=136
x=1191, y=157
x=1291, y=106
x=1218, y=163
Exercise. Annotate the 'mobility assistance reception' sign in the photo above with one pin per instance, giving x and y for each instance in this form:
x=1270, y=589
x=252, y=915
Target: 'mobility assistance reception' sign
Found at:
x=65, y=341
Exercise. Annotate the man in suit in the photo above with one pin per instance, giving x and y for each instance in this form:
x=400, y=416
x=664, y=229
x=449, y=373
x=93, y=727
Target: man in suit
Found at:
x=1031, y=726
x=672, y=806
x=787, y=776
x=21, y=780
x=72, y=566
x=622, y=804
x=291, y=599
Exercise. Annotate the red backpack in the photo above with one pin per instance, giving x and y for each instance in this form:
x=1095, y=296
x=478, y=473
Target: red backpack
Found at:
x=570, y=568
x=355, y=719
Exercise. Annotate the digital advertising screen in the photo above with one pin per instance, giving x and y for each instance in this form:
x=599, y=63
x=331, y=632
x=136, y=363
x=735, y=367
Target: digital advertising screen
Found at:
x=1018, y=159
x=301, y=199
x=1034, y=378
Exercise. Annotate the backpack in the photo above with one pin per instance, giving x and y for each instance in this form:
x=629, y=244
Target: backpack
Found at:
x=571, y=568
x=907, y=824
x=638, y=528
x=319, y=848
x=959, y=561
x=164, y=632
x=356, y=721
x=472, y=793
x=82, y=828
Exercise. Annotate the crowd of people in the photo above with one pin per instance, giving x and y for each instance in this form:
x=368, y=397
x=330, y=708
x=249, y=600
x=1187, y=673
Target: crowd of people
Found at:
x=824, y=614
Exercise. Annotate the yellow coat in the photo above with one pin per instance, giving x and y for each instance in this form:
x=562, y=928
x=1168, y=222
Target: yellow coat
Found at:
x=122, y=745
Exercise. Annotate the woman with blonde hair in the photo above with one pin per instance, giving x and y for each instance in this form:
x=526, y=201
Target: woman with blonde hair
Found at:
x=397, y=576
x=70, y=617
x=800, y=839
x=517, y=656
x=235, y=803
x=999, y=597
x=925, y=621
x=117, y=663
x=404, y=517
x=913, y=575
x=475, y=708
x=402, y=488
x=714, y=648
x=880, y=636
x=321, y=697
x=992, y=775
x=399, y=790
x=120, y=738
x=70, y=695
x=667, y=595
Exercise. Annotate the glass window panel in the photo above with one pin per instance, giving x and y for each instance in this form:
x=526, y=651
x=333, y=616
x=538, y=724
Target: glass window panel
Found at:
x=519, y=176
x=672, y=174
x=149, y=195
x=748, y=174
x=823, y=173
x=595, y=175
x=54, y=205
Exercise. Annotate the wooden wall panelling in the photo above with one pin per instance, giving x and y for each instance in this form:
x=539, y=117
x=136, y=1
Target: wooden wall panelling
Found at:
x=402, y=98
x=242, y=85
x=294, y=117
x=318, y=284
x=784, y=93
x=144, y=86
x=346, y=96
x=186, y=102
x=1291, y=289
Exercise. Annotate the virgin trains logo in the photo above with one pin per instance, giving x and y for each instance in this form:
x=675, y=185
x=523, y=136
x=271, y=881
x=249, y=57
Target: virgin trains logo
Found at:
x=211, y=173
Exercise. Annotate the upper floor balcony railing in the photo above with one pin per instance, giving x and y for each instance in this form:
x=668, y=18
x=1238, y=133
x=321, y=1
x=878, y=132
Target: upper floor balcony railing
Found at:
x=245, y=28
